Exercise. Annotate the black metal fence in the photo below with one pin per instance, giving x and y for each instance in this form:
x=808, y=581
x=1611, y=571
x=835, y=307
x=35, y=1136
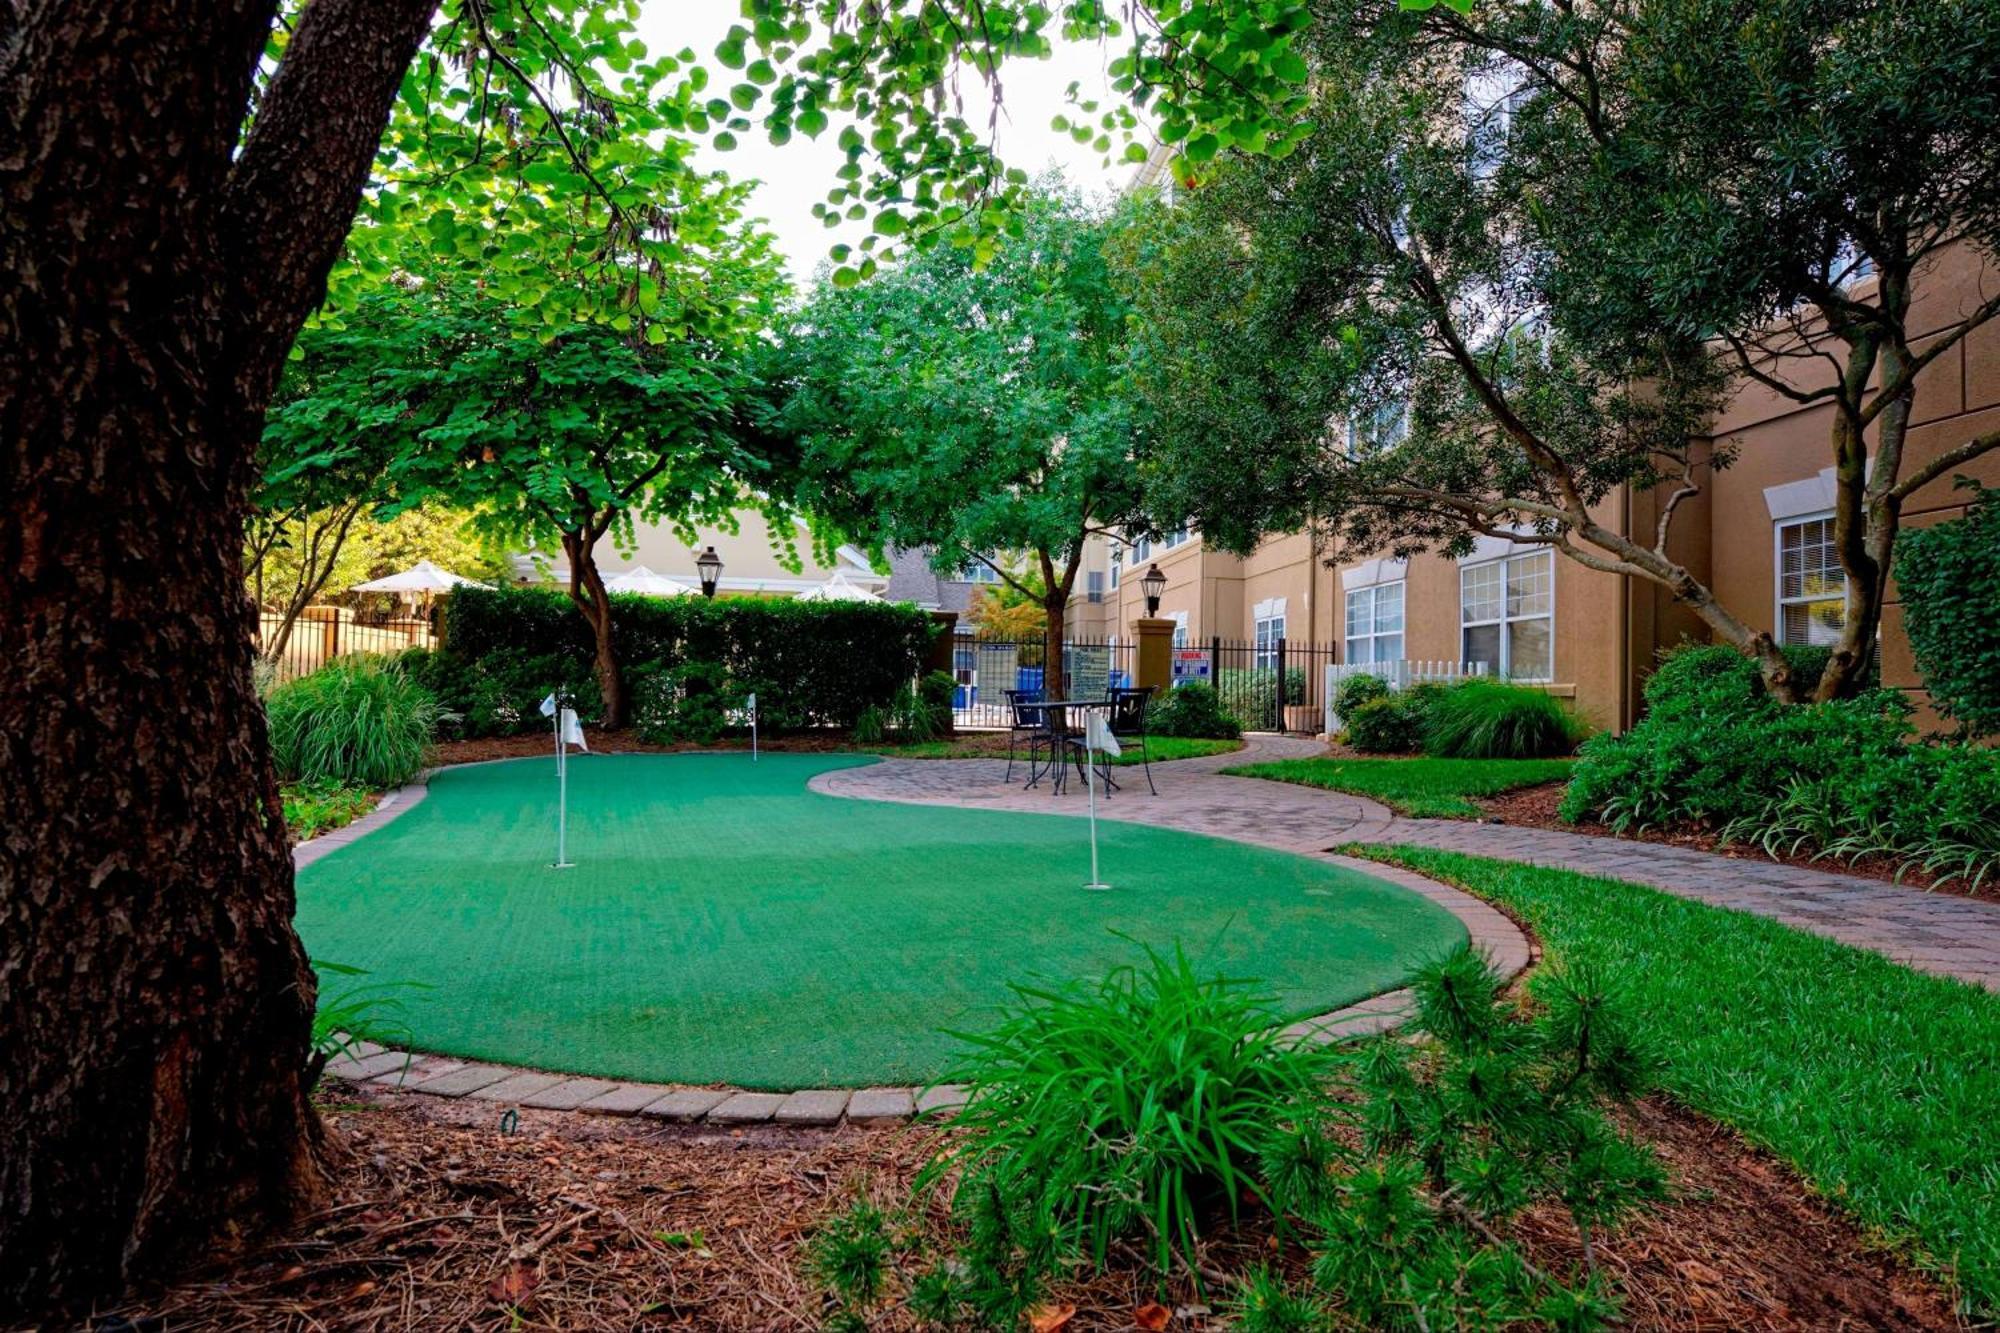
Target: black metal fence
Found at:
x=1269, y=685
x=986, y=668
x=321, y=634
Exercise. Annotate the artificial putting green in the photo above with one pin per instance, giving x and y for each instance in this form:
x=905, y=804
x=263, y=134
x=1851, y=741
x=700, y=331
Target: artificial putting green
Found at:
x=724, y=924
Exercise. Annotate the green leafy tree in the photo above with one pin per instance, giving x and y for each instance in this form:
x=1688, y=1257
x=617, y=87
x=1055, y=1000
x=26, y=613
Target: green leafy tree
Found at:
x=1527, y=253
x=183, y=184
x=981, y=412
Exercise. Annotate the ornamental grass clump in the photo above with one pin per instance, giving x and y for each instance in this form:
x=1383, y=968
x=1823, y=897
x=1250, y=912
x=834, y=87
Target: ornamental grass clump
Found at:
x=356, y=721
x=1491, y=719
x=1142, y=1118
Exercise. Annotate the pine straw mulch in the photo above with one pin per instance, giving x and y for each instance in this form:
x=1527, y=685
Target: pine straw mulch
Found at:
x=1535, y=807
x=440, y=1221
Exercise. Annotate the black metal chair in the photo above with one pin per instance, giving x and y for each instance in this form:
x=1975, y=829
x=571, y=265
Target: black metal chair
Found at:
x=1024, y=722
x=1127, y=721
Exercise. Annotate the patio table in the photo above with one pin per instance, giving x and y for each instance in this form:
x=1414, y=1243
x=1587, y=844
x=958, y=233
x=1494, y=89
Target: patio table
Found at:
x=1065, y=743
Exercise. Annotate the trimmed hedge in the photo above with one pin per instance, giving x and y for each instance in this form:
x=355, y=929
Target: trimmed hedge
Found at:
x=809, y=663
x=1950, y=581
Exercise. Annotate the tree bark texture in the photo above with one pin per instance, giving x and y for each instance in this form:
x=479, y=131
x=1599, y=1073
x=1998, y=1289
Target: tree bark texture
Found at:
x=587, y=592
x=154, y=1000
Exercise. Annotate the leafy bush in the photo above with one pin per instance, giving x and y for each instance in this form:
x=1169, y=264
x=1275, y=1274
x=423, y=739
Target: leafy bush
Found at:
x=809, y=663
x=1388, y=721
x=1950, y=580
x=1355, y=691
x=936, y=691
x=1492, y=719
x=1139, y=1105
x=696, y=702
x=313, y=808
x=1250, y=694
x=357, y=720
x=1152, y=1109
x=1841, y=780
x=500, y=694
x=1193, y=709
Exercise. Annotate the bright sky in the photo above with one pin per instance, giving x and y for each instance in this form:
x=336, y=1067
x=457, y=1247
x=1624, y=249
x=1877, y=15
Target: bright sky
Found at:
x=795, y=177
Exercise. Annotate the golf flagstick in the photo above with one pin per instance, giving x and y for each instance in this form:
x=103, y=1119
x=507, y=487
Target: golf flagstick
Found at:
x=753, y=728
x=553, y=707
x=1095, y=736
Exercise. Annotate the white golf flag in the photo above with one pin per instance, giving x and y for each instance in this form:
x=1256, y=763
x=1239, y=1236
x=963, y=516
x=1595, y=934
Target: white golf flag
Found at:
x=573, y=731
x=1097, y=734
x=549, y=705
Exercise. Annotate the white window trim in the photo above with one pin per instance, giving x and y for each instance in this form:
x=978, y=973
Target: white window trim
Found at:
x=1778, y=599
x=1370, y=573
x=1180, y=619
x=1270, y=611
x=1375, y=591
x=1516, y=551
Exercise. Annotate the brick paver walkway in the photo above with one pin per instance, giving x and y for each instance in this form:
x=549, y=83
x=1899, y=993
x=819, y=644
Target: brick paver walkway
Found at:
x=1933, y=932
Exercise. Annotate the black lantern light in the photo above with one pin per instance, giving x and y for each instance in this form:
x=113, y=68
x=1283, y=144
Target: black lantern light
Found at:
x=710, y=565
x=1153, y=584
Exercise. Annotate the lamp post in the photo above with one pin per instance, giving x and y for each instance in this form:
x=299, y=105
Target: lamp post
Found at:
x=1153, y=584
x=710, y=566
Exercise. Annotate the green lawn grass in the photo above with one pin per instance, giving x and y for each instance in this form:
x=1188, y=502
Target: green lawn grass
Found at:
x=987, y=745
x=725, y=924
x=1881, y=1085
x=1422, y=788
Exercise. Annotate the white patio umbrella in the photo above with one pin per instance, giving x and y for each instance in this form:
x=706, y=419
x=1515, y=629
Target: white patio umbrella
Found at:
x=838, y=589
x=644, y=580
x=422, y=577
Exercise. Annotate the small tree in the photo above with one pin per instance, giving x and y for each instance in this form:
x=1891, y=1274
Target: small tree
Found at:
x=1529, y=249
x=977, y=411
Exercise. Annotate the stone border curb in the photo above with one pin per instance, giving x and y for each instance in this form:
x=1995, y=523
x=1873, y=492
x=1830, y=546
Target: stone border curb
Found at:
x=1492, y=932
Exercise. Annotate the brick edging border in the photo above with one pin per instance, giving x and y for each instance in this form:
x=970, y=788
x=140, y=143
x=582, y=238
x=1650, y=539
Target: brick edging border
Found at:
x=1506, y=946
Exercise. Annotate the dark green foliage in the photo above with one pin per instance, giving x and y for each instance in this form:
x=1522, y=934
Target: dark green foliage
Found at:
x=357, y=721
x=1494, y=1111
x=1136, y=1106
x=313, y=808
x=499, y=694
x=1387, y=724
x=1355, y=691
x=1950, y=580
x=1847, y=1066
x=696, y=702
x=1250, y=694
x=1193, y=709
x=850, y=1255
x=809, y=663
x=1842, y=780
x=1491, y=719
x=1265, y=1303
x=353, y=1012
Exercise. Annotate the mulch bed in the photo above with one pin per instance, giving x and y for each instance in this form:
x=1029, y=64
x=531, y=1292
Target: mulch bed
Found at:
x=439, y=1220
x=1536, y=807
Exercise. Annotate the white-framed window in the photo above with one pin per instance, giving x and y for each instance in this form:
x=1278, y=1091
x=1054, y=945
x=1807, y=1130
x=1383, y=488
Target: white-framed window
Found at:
x=1269, y=630
x=1117, y=561
x=1380, y=428
x=1141, y=549
x=1093, y=584
x=978, y=571
x=1375, y=623
x=1812, y=587
x=1506, y=615
x=1180, y=619
x=1175, y=538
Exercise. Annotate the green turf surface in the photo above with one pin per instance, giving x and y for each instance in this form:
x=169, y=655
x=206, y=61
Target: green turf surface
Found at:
x=1878, y=1083
x=724, y=924
x=1422, y=788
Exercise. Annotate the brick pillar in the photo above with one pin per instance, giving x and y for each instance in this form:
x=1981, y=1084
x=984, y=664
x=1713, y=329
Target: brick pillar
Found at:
x=940, y=655
x=1156, y=654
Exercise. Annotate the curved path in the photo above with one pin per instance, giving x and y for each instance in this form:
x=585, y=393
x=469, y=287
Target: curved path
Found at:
x=1285, y=818
x=1942, y=933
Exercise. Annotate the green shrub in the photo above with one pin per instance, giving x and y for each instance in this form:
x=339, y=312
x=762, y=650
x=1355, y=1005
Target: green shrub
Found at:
x=1950, y=581
x=937, y=690
x=1841, y=780
x=696, y=702
x=357, y=720
x=810, y=664
x=1355, y=691
x=313, y=808
x=1250, y=694
x=1388, y=724
x=1193, y=709
x=1149, y=1111
x=1492, y=719
x=1138, y=1106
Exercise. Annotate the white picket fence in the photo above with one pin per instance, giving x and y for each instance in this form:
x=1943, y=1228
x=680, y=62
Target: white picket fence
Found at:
x=1399, y=675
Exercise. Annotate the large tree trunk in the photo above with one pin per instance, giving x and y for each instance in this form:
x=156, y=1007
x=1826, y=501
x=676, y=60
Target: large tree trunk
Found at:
x=587, y=591
x=154, y=1000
